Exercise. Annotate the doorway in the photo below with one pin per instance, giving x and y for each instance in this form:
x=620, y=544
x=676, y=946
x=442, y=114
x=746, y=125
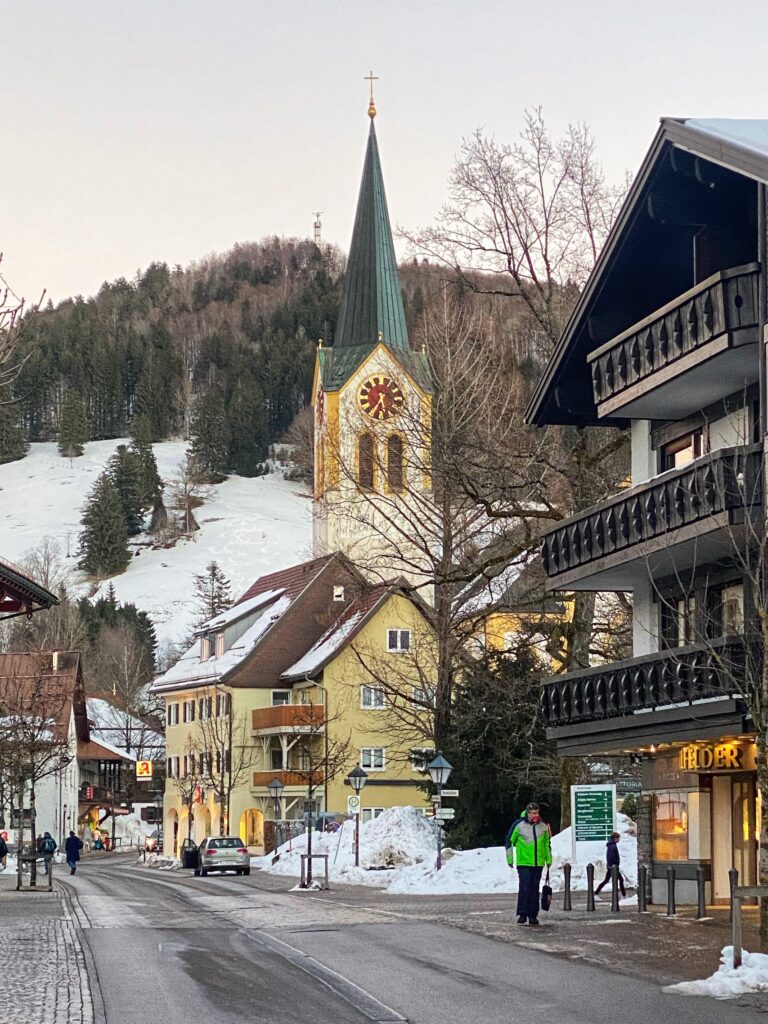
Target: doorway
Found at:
x=734, y=831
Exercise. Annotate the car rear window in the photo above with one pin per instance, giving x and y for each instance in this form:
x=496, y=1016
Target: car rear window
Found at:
x=228, y=843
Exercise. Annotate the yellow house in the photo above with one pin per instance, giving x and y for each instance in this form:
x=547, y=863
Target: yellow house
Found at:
x=311, y=673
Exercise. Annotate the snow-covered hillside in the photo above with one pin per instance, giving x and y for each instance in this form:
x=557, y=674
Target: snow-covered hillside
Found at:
x=249, y=526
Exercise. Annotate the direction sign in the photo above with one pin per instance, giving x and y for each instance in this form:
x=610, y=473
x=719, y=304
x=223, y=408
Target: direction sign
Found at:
x=353, y=804
x=593, y=816
x=446, y=813
x=450, y=792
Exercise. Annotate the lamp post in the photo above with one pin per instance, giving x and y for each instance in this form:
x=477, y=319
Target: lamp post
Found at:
x=275, y=788
x=439, y=771
x=357, y=778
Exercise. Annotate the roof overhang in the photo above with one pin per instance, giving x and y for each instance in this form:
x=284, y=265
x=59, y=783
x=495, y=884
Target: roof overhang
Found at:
x=20, y=594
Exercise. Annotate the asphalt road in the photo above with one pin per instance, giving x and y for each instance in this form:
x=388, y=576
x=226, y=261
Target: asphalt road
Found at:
x=172, y=947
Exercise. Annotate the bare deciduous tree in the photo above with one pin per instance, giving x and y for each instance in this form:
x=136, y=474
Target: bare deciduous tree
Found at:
x=224, y=743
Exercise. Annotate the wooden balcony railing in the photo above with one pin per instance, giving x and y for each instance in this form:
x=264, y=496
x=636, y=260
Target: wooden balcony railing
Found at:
x=724, y=304
x=678, y=676
x=725, y=481
x=288, y=717
x=288, y=778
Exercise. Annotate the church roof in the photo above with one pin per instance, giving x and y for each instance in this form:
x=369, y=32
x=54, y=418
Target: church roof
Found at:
x=338, y=364
x=371, y=303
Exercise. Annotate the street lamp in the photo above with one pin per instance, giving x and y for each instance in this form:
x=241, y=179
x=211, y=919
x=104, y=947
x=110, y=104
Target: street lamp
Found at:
x=357, y=778
x=439, y=771
x=275, y=791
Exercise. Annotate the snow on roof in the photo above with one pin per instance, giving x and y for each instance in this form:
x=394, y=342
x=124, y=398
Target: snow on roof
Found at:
x=88, y=751
x=239, y=611
x=324, y=649
x=191, y=669
x=485, y=593
x=749, y=134
x=106, y=720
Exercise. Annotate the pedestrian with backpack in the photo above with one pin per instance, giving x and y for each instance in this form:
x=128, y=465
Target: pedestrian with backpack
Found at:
x=530, y=851
x=48, y=847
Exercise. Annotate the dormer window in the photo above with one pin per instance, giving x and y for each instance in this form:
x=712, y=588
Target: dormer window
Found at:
x=219, y=644
x=205, y=648
x=338, y=593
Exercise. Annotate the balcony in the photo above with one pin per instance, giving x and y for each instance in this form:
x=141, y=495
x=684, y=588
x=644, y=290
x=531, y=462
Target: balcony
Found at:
x=291, y=718
x=708, y=335
x=683, y=518
x=288, y=778
x=680, y=676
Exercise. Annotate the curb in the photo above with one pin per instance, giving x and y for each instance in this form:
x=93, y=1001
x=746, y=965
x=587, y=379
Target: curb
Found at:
x=78, y=917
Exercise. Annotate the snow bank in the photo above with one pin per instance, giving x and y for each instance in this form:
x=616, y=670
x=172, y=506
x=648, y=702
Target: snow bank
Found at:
x=728, y=982
x=160, y=861
x=128, y=827
x=398, y=838
x=398, y=852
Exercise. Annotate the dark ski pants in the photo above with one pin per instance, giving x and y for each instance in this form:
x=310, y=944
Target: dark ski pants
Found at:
x=607, y=881
x=529, y=880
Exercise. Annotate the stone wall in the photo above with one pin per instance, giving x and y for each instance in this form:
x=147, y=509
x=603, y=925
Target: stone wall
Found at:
x=645, y=837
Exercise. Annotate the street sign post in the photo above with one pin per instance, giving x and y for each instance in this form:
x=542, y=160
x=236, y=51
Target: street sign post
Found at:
x=450, y=792
x=593, y=819
x=353, y=804
x=445, y=813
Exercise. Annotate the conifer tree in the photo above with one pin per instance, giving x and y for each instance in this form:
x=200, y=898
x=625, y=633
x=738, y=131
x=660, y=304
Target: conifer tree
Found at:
x=124, y=470
x=248, y=430
x=13, y=441
x=209, y=448
x=74, y=430
x=104, y=539
x=213, y=593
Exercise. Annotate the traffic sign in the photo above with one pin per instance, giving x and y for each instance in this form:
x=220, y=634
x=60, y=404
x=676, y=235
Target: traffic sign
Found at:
x=450, y=792
x=353, y=804
x=446, y=813
x=143, y=769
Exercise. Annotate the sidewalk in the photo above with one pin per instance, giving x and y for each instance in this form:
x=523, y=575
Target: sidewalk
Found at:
x=43, y=977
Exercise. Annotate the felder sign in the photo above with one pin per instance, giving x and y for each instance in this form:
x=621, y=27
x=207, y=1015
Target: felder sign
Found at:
x=716, y=757
x=143, y=769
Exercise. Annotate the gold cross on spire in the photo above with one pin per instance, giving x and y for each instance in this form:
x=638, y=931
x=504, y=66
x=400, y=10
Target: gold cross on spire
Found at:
x=371, y=106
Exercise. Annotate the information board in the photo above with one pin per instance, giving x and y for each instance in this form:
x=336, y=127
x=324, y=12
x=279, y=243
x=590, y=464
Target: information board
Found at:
x=593, y=819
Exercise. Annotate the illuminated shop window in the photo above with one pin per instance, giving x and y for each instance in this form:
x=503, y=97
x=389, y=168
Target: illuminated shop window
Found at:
x=670, y=826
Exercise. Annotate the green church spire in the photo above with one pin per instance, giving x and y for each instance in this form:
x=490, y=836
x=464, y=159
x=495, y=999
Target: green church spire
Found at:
x=371, y=303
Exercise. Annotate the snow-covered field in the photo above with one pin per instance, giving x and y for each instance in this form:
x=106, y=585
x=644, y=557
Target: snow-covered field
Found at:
x=249, y=526
x=397, y=853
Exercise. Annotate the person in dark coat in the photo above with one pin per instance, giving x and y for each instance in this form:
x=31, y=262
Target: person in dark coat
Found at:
x=3, y=854
x=612, y=857
x=72, y=848
x=48, y=849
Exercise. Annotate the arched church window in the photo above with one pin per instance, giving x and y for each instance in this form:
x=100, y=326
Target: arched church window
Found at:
x=365, y=461
x=395, y=462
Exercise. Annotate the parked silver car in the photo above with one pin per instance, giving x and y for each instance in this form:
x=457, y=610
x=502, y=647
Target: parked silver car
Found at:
x=224, y=853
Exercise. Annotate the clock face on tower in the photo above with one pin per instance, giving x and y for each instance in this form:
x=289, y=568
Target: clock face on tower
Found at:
x=380, y=397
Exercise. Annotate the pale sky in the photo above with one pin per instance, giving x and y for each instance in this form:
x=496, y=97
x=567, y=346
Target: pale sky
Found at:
x=168, y=129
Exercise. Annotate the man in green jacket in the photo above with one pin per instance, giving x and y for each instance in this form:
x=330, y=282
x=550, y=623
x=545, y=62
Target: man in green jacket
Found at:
x=529, y=850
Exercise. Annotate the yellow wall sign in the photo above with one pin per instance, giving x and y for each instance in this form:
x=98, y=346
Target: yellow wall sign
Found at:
x=717, y=757
x=143, y=769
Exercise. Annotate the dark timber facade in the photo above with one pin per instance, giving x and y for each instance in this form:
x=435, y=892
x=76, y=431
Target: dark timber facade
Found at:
x=668, y=340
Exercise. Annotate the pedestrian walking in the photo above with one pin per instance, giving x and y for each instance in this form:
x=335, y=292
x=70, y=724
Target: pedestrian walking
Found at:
x=612, y=857
x=72, y=847
x=3, y=854
x=529, y=850
x=48, y=847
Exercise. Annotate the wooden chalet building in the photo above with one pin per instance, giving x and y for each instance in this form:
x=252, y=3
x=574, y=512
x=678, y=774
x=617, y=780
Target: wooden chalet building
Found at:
x=668, y=339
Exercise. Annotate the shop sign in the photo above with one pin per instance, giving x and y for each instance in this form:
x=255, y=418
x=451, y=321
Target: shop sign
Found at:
x=717, y=757
x=593, y=819
x=143, y=769
x=629, y=784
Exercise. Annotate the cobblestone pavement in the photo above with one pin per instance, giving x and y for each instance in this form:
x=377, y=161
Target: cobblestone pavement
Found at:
x=43, y=978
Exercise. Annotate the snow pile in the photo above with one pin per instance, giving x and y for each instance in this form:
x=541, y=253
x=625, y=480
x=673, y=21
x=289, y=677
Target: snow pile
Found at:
x=729, y=982
x=250, y=526
x=160, y=861
x=486, y=870
x=397, y=839
x=129, y=828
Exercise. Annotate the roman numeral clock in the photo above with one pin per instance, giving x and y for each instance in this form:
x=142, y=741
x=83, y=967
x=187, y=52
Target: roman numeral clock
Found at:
x=380, y=397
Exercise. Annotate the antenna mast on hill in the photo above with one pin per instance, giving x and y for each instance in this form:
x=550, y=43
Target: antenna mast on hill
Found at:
x=318, y=228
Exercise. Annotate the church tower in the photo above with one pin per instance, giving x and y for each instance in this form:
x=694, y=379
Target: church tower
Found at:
x=371, y=401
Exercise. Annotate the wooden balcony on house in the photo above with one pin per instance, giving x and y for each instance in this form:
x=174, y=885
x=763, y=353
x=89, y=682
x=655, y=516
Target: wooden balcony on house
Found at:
x=655, y=682
x=681, y=519
x=288, y=778
x=290, y=718
x=685, y=356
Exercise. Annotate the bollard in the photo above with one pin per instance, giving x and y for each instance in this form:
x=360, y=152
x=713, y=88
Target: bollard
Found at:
x=567, y=887
x=642, y=889
x=615, y=889
x=701, y=910
x=737, y=939
x=671, y=912
x=733, y=881
x=590, y=886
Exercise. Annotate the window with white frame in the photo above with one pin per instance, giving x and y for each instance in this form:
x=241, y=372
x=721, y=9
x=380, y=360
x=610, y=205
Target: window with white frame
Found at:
x=420, y=758
x=205, y=648
x=280, y=697
x=398, y=639
x=424, y=696
x=276, y=759
x=204, y=706
x=370, y=813
x=189, y=765
x=372, y=759
x=172, y=768
x=172, y=714
x=205, y=763
x=223, y=703
x=219, y=644
x=372, y=697
x=189, y=711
